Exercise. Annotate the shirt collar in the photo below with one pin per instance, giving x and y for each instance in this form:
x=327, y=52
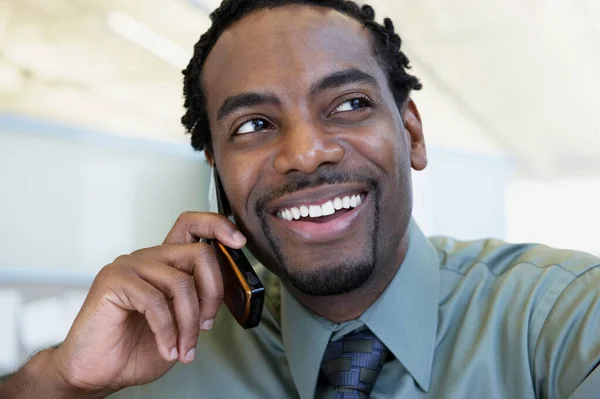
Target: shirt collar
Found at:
x=404, y=318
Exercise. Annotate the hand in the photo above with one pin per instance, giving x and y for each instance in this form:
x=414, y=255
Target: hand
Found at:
x=144, y=311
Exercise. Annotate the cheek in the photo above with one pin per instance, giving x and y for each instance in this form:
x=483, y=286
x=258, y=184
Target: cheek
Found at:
x=387, y=150
x=244, y=175
x=237, y=179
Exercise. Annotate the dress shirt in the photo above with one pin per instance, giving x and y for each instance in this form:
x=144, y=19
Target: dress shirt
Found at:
x=478, y=319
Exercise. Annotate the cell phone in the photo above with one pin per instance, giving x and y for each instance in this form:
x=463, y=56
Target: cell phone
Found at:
x=244, y=292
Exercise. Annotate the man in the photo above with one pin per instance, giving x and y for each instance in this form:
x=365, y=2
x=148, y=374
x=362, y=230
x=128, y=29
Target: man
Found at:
x=304, y=108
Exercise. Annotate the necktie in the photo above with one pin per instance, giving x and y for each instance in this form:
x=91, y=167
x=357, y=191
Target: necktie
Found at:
x=353, y=363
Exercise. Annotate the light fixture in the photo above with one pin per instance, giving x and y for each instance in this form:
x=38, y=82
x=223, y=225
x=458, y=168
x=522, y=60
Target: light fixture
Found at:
x=142, y=35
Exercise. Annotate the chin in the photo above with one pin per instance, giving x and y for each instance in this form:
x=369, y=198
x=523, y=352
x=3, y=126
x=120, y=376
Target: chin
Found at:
x=329, y=279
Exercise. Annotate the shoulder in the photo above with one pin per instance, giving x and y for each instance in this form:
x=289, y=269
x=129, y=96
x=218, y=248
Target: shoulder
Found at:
x=500, y=257
x=519, y=283
x=543, y=303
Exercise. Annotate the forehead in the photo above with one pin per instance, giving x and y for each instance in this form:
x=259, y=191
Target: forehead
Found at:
x=285, y=49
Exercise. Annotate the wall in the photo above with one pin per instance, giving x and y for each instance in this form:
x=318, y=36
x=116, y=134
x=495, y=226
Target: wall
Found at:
x=73, y=200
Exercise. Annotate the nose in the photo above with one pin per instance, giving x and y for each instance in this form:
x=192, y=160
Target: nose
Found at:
x=305, y=146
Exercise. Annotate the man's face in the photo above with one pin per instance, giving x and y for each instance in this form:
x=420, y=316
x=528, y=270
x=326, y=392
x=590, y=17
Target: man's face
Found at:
x=303, y=122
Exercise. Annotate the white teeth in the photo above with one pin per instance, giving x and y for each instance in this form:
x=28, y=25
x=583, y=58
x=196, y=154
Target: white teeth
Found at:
x=304, y=211
x=337, y=204
x=315, y=211
x=295, y=213
x=346, y=202
x=327, y=208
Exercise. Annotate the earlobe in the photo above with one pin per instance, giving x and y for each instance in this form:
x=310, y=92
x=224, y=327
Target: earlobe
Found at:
x=414, y=128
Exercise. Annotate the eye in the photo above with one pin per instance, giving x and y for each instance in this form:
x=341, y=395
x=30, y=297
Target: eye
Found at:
x=253, y=126
x=354, y=104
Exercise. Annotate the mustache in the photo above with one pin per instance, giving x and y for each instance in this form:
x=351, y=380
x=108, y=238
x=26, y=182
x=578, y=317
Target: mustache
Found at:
x=322, y=177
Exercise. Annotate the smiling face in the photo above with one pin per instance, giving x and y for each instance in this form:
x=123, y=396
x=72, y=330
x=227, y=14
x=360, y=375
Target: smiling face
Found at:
x=312, y=150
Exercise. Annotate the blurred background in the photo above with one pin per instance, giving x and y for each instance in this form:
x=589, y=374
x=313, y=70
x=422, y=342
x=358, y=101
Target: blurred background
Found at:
x=94, y=162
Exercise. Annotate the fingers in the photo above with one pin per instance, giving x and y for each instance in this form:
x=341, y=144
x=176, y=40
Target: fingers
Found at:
x=142, y=297
x=191, y=226
x=179, y=288
x=209, y=285
x=197, y=260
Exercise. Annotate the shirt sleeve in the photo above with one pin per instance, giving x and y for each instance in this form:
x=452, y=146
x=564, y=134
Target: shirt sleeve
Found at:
x=567, y=351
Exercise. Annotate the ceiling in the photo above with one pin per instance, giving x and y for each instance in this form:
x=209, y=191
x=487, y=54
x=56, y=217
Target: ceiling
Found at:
x=76, y=61
x=515, y=77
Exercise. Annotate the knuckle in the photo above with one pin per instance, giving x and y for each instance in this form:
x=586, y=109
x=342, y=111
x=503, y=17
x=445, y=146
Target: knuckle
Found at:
x=121, y=266
x=184, y=282
x=103, y=272
x=157, y=302
x=184, y=217
x=166, y=328
x=111, y=269
x=137, y=252
x=163, y=321
x=204, y=251
x=121, y=259
x=204, y=260
x=219, y=296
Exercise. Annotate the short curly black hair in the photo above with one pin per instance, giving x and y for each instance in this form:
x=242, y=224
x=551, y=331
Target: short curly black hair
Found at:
x=387, y=49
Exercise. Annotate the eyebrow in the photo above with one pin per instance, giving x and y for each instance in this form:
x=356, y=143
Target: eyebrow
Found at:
x=332, y=81
x=343, y=78
x=245, y=100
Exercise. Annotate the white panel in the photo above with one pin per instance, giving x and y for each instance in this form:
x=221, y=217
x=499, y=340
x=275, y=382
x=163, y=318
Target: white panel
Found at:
x=560, y=213
x=71, y=204
x=10, y=300
x=461, y=194
x=45, y=322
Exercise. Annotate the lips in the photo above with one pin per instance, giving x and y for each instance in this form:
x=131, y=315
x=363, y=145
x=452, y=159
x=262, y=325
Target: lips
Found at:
x=321, y=215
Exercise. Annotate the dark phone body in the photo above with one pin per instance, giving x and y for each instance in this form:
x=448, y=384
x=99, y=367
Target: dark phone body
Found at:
x=244, y=292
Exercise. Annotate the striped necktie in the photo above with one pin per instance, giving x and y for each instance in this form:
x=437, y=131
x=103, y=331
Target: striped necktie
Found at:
x=353, y=363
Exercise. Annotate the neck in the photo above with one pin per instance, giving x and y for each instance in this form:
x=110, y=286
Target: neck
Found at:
x=351, y=305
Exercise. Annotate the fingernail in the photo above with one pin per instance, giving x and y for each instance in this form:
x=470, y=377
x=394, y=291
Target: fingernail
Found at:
x=191, y=355
x=207, y=324
x=174, y=354
x=239, y=237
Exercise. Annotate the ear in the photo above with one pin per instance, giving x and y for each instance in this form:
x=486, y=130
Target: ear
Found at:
x=414, y=128
x=210, y=158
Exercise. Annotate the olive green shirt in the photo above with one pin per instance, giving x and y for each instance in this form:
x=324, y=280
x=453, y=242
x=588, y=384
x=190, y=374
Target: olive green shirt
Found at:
x=481, y=319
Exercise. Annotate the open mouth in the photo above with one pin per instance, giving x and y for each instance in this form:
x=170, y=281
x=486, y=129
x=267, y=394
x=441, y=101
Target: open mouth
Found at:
x=323, y=212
